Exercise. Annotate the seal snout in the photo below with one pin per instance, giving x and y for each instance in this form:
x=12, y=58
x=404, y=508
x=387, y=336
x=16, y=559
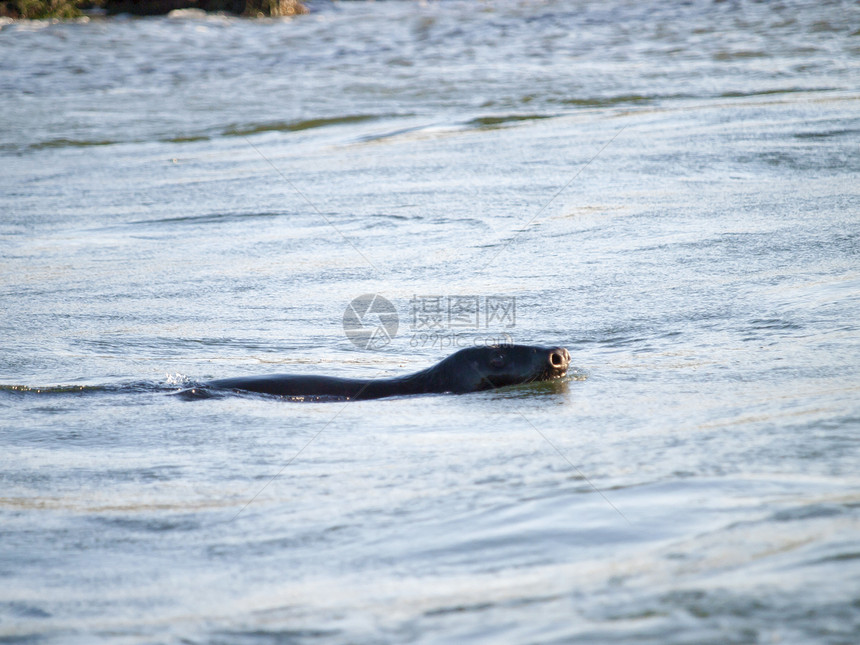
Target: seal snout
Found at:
x=559, y=358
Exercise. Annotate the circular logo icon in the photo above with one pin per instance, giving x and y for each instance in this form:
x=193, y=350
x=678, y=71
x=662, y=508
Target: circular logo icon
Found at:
x=370, y=321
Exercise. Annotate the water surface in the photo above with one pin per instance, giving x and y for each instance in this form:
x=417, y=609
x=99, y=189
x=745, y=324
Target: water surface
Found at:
x=669, y=191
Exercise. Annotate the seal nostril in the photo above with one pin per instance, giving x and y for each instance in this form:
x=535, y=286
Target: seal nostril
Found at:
x=558, y=358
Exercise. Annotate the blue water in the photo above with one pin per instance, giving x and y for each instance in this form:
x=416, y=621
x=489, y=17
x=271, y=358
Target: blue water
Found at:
x=669, y=191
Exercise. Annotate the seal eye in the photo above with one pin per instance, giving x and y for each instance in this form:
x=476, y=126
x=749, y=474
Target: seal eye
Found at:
x=498, y=360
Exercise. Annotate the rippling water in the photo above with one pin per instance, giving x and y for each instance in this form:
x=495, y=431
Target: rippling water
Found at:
x=670, y=191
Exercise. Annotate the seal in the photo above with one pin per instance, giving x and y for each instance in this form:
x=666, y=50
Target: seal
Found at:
x=469, y=370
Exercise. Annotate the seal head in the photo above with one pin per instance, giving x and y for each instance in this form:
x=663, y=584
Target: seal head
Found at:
x=482, y=368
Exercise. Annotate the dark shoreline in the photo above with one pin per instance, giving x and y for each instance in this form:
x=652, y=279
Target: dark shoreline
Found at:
x=66, y=9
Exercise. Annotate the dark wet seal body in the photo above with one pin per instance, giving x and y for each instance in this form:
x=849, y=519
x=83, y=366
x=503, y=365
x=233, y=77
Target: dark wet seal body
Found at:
x=468, y=370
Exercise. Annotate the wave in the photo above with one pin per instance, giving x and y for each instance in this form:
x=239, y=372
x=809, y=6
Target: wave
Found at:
x=170, y=385
x=243, y=130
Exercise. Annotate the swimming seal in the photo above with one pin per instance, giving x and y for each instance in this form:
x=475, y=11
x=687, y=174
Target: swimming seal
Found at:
x=469, y=370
